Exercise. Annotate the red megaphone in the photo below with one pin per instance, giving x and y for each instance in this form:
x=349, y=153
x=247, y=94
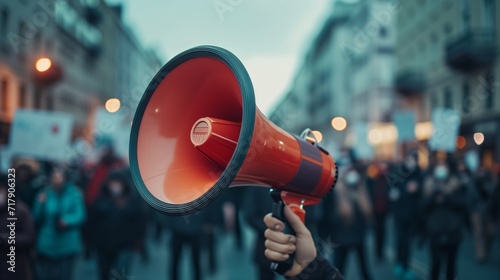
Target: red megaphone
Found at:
x=197, y=131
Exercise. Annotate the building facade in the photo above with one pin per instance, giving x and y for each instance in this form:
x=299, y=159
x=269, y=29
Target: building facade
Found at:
x=348, y=73
x=447, y=56
x=94, y=57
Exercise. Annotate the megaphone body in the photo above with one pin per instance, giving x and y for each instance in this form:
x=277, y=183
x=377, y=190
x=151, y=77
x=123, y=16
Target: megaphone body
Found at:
x=197, y=132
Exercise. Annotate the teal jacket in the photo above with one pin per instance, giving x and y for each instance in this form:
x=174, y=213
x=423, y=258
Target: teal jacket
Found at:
x=68, y=206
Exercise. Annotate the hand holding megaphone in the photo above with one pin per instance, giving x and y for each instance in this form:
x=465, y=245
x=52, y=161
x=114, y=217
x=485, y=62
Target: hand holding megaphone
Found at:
x=292, y=252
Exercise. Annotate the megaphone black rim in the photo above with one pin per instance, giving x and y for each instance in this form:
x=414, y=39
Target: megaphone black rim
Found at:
x=239, y=155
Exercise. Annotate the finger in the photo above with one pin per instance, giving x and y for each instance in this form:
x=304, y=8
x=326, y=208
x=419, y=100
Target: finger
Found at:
x=295, y=222
x=279, y=237
x=280, y=248
x=275, y=256
x=273, y=223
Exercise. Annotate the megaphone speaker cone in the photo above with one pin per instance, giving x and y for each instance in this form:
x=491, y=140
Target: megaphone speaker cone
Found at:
x=170, y=173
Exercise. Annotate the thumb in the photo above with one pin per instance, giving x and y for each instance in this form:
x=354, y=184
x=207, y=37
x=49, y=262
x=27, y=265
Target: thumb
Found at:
x=295, y=222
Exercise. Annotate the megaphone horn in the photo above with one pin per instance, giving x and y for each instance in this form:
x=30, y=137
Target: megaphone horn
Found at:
x=197, y=131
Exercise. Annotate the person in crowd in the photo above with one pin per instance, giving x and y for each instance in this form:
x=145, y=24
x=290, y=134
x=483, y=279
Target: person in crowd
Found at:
x=353, y=217
x=307, y=263
x=254, y=216
x=107, y=163
x=379, y=195
x=59, y=212
x=482, y=224
x=24, y=235
x=405, y=183
x=494, y=205
x=214, y=221
x=115, y=223
x=186, y=230
x=234, y=199
x=25, y=190
x=445, y=209
x=315, y=215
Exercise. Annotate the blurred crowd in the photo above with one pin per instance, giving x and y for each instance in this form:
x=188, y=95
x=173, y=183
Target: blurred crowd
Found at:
x=430, y=207
x=93, y=211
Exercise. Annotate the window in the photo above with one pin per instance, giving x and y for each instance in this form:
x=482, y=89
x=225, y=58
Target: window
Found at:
x=4, y=95
x=383, y=32
x=490, y=91
x=50, y=102
x=37, y=41
x=489, y=14
x=434, y=100
x=447, y=97
x=38, y=99
x=23, y=97
x=465, y=14
x=466, y=102
x=4, y=22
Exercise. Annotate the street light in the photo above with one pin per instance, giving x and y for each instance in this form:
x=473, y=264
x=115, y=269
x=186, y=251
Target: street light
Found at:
x=112, y=105
x=339, y=123
x=43, y=64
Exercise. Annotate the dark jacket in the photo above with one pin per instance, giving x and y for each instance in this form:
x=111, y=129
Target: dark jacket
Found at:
x=405, y=205
x=349, y=232
x=319, y=269
x=379, y=194
x=116, y=226
x=445, y=211
x=189, y=225
x=24, y=243
x=254, y=214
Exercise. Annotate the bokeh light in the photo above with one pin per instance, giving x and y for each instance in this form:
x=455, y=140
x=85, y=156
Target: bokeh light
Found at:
x=339, y=123
x=478, y=138
x=318, y=135
x=43, y=64
x=461, y=142
x=112, y=105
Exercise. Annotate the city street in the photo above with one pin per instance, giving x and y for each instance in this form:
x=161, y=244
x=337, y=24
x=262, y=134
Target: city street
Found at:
x=234, y=264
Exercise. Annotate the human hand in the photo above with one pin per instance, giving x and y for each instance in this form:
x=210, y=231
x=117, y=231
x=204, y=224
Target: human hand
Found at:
x=280, y=246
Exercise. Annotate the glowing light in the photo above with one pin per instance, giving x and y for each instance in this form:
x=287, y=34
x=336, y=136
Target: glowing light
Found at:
x=112, y=105
x=461, y=142
x=339, y=123
x=478, y=138
x=375, y=136
x=43, y=64
x=423, y=130
x=318, y=135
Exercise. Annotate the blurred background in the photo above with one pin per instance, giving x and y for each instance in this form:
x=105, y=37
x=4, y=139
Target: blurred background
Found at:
x=403, y=93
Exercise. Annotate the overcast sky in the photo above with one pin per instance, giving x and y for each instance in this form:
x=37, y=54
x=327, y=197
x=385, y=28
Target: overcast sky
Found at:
x=269, y=36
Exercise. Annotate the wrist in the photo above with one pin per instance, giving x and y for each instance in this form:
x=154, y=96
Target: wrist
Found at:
x=297, y=267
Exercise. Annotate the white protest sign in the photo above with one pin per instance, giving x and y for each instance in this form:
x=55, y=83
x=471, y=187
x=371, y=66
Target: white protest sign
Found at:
x=362, y=148
x=405, y=123
x=41, y=134
x=110, y=126
x=446, y=123
x=5, y=158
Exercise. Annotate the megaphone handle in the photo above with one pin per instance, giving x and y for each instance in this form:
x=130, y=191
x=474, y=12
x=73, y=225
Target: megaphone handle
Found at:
x=279, y=213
